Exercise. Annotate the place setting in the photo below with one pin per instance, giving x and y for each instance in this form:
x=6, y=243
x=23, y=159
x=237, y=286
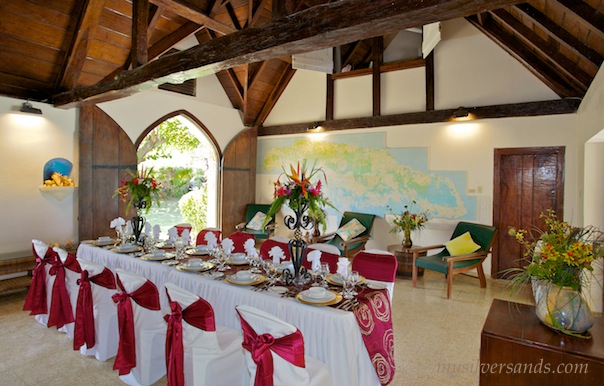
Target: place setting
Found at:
x=104, y=241
x=200, y=250
x=245, y=278
x=194, y=265
x=319, y=296
x=158, y=255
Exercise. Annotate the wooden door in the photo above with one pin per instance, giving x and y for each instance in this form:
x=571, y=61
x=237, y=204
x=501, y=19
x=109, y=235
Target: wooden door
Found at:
x=106, y=156
x=239, y=179
x=528, y=181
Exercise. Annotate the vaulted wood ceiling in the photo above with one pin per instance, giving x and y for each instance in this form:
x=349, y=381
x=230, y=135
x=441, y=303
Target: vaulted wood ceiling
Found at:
x=70, y=52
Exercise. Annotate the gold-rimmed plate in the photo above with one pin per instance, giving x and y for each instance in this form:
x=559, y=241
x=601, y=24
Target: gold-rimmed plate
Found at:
x=336, y=280
x=103, y=243
x=197, y=252
x=162, y=257
x=205, y=266
x=255, y=279
x=321, y=303
x=126, y=249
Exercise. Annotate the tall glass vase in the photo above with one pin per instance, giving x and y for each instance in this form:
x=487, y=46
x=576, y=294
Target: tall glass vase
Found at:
x=407, y=243
x=562, y=308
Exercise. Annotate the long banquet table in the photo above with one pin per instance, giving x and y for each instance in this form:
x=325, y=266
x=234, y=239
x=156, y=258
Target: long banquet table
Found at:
x=330, y=335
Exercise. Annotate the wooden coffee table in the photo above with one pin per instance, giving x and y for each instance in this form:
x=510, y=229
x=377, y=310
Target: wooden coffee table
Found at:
x=404, y=256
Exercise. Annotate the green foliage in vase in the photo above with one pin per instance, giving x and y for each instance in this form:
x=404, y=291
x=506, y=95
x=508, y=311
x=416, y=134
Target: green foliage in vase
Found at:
x=194, y=206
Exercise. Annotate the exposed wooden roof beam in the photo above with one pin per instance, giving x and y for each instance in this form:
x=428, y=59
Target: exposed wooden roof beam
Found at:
x=140, y=20
x=561, y=35
x=559, y=106
x=539, y=67
x=587, y=13
x=565, y=66
x=76, y=55
x=315, y=28
x=195, y=14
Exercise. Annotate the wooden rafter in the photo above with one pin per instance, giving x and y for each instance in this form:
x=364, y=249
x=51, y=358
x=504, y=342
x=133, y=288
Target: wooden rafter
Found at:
x=195, y=14
x=140, y=19
x=554, y=107
x=584, y=11
x=280, y=86
x=314, y=28
x=78, y=49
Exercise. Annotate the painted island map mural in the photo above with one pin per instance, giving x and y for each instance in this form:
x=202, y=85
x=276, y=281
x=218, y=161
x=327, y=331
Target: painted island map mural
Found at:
x=363, y=175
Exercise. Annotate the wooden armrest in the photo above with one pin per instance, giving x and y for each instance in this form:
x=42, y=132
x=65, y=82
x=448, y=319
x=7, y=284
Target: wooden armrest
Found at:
x=324, y=238
x=240, y=226
x=355, y=240
x=469, y=256
x=416, y=250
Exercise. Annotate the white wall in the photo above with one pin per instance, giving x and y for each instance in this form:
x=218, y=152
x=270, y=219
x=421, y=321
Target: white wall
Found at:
x=27, y=142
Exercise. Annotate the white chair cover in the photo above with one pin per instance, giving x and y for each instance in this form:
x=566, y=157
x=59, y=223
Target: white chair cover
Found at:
x=285, y=373
x=211, y=358
x=71, y=283
x=105, y=317
x=369, y=260
x=325, y=248
x=150, y=332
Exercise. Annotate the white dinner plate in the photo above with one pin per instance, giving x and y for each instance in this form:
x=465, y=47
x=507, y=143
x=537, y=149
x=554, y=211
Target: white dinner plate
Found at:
x=376, y=286
x=278, y=289
x=126, y=248
x=103, y=243
x=205, y=266
x=329, y=296
x=254, y=279
x=337, y=280
x=157, y=257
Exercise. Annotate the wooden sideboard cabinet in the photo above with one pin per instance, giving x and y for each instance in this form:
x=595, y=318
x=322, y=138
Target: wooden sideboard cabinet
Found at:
x=517, y=349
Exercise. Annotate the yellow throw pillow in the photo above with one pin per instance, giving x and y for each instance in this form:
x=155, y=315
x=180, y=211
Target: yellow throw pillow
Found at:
x=461, y=245
x=257, y=221
x=351, y=229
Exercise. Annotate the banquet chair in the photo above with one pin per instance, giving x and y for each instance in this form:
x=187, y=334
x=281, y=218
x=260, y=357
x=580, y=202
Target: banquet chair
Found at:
x=140, y=356
x=254, y=218
x=284, y=354
x=329, y=254
x=201, y=236
x=39, y=294
x=239, y=239
x=352, y=234
x=197, y=351
x=272, y=242
x=377, y=266
x=96, y=331
x=72, y=275
x=469, y=245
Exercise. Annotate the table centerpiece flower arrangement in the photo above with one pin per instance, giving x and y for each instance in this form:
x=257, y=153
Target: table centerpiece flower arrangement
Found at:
x=302, y=191
x=560, y=261
x=407, y=221
x=140, y=192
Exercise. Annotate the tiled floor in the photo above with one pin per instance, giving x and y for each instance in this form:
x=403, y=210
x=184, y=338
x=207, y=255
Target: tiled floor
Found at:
x=437, y=341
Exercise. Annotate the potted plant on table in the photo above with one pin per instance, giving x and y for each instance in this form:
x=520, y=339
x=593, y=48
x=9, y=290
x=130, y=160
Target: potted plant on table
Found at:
x=560, y=261
x=407, y=221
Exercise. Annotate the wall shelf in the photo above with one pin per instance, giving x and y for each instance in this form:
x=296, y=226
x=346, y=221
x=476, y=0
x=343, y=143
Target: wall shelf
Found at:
x=58, y=192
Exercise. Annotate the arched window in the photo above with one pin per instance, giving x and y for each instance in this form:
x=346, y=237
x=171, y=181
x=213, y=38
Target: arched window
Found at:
x=185, y=158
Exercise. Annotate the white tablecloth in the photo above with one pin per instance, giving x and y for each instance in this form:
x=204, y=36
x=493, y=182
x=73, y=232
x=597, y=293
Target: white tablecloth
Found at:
x=330, y=335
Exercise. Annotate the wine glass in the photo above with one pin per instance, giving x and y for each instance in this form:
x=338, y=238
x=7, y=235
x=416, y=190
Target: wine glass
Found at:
x=323, y=272
x=179, y=244
x=348, y=284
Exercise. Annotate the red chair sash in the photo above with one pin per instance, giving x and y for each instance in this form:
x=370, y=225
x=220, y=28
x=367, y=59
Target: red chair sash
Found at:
x=373, y=266
x=267, y=245
x=71, y=263
x=239, y=239
x=145, y=296
x=61, y=311
x=84, y=320
x=201, y=236
x=200, y=314
x=36, y=295
x=289, y=347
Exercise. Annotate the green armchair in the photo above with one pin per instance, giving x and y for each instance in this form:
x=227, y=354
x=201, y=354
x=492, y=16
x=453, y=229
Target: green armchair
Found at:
x=350, y=247
x=448, y=265
x=250, y=212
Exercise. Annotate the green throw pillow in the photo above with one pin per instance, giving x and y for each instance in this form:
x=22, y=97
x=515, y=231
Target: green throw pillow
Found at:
x=257, y=221
x=351, y=229
x=461, y=245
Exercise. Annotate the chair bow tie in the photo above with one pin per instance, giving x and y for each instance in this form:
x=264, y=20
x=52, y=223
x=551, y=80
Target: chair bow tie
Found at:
x=199, y=314
x=61, y=312
x=145, y=296
x=289, y=347
x=84, y=320
x=36, y=296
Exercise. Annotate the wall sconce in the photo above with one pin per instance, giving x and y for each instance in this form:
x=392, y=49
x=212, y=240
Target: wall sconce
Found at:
x=315, y=128
x=461, y=114
x=27, y=107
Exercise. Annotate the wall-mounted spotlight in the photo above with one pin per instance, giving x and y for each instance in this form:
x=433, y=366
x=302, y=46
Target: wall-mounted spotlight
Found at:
x=461, y=114
x=315, y=128
x=27, y=107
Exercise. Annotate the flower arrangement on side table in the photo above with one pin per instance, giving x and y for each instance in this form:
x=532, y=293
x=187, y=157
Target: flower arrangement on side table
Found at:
x=143, y=190
x=407, y=222
x=560, y=258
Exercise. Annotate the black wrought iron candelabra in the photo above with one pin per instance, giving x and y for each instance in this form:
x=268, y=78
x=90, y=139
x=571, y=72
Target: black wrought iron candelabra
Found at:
x=297, y=246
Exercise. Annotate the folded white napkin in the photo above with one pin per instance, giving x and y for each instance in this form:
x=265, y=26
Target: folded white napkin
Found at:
x=117, y=223
x=147, y=229
x=186, y=236
x=343, y=264
x=156, y=230
x=277, y=254
x=128, y=230
x=172, y=234
x=228, y=246
x=250, y=247
x=314, y=257
x=211, y=239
